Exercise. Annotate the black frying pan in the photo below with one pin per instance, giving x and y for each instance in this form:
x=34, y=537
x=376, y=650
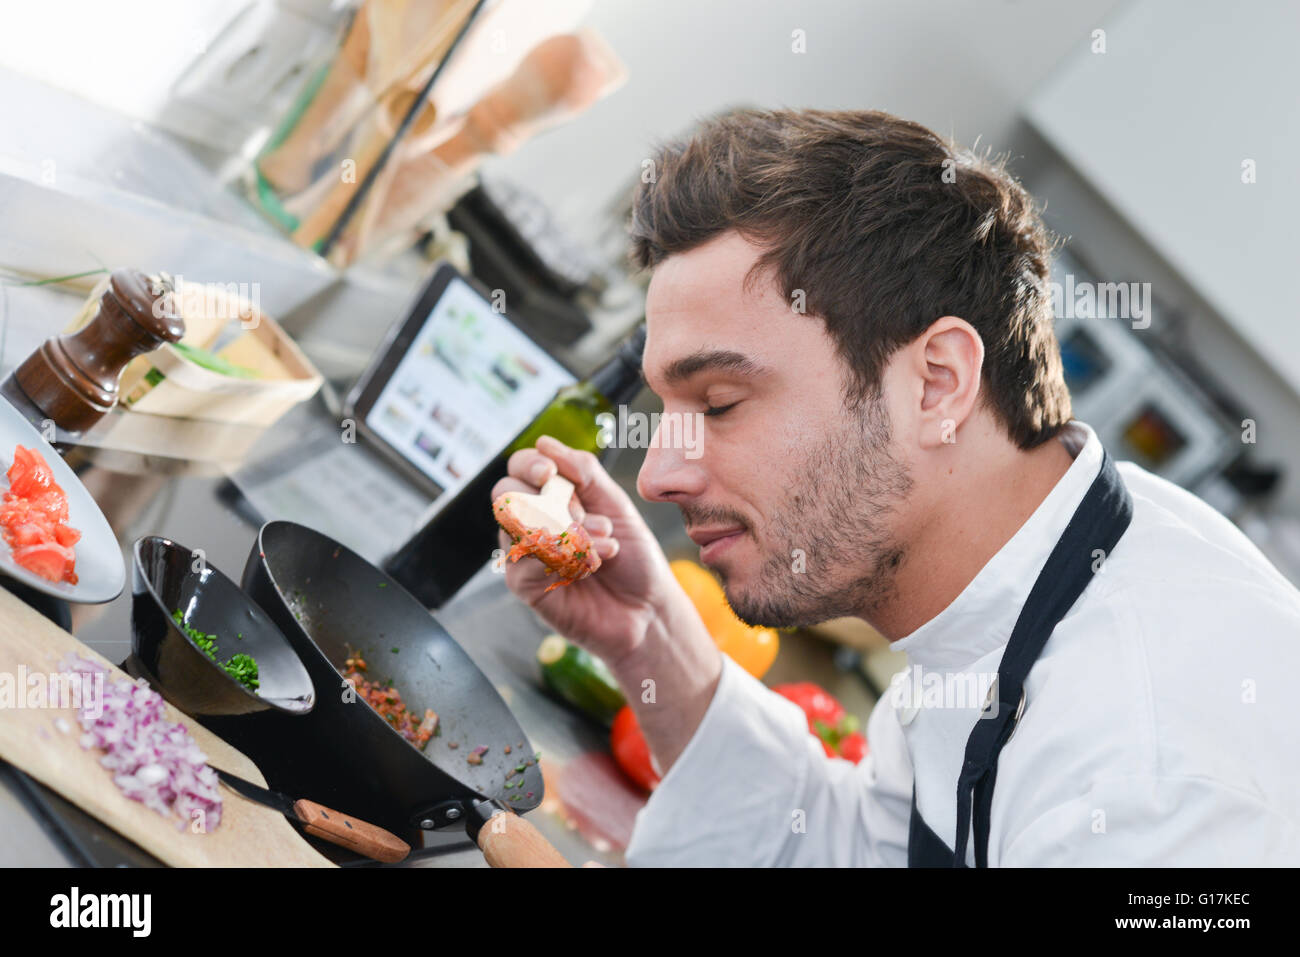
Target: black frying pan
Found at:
x=330, y=603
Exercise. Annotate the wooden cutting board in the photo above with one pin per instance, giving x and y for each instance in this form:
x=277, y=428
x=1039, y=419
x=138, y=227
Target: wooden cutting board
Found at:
x=249, y=834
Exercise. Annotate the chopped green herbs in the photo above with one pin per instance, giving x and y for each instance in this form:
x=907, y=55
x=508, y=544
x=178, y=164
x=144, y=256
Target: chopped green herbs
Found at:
x=241, y=667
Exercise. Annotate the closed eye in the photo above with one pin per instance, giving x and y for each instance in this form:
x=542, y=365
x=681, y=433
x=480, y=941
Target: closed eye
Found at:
x=719, y=409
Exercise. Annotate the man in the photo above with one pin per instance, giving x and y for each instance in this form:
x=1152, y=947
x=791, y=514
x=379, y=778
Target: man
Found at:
x=860, y=313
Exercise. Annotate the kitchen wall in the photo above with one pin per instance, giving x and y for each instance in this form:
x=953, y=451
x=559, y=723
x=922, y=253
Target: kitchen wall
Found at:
x=959, y=67
x=215, y=71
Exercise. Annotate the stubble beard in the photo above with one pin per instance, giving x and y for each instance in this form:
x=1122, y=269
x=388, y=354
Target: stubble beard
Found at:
x=834, y=518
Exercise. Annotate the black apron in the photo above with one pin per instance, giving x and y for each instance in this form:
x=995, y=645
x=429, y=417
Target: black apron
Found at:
x=1098, y=523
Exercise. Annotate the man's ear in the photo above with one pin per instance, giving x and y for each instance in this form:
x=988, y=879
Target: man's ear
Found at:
x=949, y=358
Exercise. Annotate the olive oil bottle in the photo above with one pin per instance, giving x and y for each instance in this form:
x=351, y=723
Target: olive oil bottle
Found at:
x=461, y=536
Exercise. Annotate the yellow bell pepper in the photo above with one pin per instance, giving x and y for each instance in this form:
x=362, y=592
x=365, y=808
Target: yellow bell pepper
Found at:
x=751, y=647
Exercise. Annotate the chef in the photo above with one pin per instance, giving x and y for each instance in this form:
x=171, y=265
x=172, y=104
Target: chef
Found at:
x=860, y=314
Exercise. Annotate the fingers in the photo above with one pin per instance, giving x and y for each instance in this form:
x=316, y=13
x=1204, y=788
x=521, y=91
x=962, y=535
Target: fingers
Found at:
x=594, y=486
x=606, y=548
x=598, y=526
x=529, y=466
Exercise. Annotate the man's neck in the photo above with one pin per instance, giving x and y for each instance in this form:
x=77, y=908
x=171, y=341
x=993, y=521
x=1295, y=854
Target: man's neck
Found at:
x=949, y=551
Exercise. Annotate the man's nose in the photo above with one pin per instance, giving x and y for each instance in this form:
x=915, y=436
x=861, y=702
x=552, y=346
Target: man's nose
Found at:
x=667, y=475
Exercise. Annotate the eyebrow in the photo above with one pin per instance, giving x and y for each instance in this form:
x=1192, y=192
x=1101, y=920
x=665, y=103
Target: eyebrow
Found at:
x=715, y=360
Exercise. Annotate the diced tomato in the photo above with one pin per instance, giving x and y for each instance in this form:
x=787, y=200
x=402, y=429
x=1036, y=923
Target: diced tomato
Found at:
x=66, y=535
x=28, y=533
x=46, y=559
x=33, y=516
x=29, y=474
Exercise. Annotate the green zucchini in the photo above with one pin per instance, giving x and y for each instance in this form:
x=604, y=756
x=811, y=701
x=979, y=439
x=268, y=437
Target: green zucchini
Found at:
x=579, y=678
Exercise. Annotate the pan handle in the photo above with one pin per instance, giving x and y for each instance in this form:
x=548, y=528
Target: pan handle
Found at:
x=507, y=840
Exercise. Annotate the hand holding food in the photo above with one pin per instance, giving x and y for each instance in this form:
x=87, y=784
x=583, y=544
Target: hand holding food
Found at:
x=541, y=525
x=607, y=612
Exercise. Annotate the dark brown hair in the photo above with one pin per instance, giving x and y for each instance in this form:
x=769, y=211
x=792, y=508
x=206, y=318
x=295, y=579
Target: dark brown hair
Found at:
x=886, y=228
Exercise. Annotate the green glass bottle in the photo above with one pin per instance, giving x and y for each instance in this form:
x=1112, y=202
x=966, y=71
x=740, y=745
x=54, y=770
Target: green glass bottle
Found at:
x=455, y=543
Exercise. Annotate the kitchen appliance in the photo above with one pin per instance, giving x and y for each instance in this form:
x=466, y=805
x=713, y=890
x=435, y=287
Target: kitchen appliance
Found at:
x=1143, y=408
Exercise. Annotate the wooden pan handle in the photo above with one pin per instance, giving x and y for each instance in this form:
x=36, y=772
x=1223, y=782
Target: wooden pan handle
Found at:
x=338, y=828
x=507, y=840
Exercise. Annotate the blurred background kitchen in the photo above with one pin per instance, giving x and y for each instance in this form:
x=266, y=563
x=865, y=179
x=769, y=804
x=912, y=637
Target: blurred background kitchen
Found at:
x=328, y=153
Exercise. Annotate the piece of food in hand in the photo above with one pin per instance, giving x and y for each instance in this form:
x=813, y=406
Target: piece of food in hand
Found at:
x=34, y=516
x=541, y=525
x=827, y=720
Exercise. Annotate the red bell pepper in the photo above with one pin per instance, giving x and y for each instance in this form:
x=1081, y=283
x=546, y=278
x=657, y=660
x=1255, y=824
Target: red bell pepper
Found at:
x=827, y=720
x=631, y=753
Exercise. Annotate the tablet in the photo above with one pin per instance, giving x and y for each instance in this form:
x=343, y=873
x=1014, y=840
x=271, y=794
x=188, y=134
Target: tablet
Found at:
x=452, y=385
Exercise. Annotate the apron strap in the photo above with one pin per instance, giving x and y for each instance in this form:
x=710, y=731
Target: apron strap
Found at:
x=1096, y=526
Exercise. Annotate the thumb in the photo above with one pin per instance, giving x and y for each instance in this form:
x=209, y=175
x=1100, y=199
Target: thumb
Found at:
x=595, y=487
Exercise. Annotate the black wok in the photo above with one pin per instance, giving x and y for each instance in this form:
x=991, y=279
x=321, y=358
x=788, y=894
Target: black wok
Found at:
x=331, y=603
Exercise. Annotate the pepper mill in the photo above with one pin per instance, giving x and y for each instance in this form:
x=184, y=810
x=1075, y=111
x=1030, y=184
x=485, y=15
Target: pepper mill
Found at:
x=72, y=379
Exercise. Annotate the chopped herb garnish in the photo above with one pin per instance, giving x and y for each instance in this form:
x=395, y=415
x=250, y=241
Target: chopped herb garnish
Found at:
x=241, y=667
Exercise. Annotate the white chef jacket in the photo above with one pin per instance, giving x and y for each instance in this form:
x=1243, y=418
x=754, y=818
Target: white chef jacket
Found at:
x=1159, y=728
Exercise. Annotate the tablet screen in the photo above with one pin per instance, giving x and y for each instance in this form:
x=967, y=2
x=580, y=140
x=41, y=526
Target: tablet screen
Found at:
x=469, y=383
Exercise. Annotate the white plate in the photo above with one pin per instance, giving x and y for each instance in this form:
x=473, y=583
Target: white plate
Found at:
x=101, y=573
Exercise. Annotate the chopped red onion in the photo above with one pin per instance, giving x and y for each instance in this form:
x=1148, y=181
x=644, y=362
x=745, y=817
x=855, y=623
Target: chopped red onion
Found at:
x=153, y=760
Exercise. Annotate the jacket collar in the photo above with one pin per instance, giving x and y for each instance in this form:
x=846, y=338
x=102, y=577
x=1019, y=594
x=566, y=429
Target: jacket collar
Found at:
x=980, y=619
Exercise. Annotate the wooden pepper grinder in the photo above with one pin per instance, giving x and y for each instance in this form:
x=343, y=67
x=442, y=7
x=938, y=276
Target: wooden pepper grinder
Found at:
x=72, y=379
